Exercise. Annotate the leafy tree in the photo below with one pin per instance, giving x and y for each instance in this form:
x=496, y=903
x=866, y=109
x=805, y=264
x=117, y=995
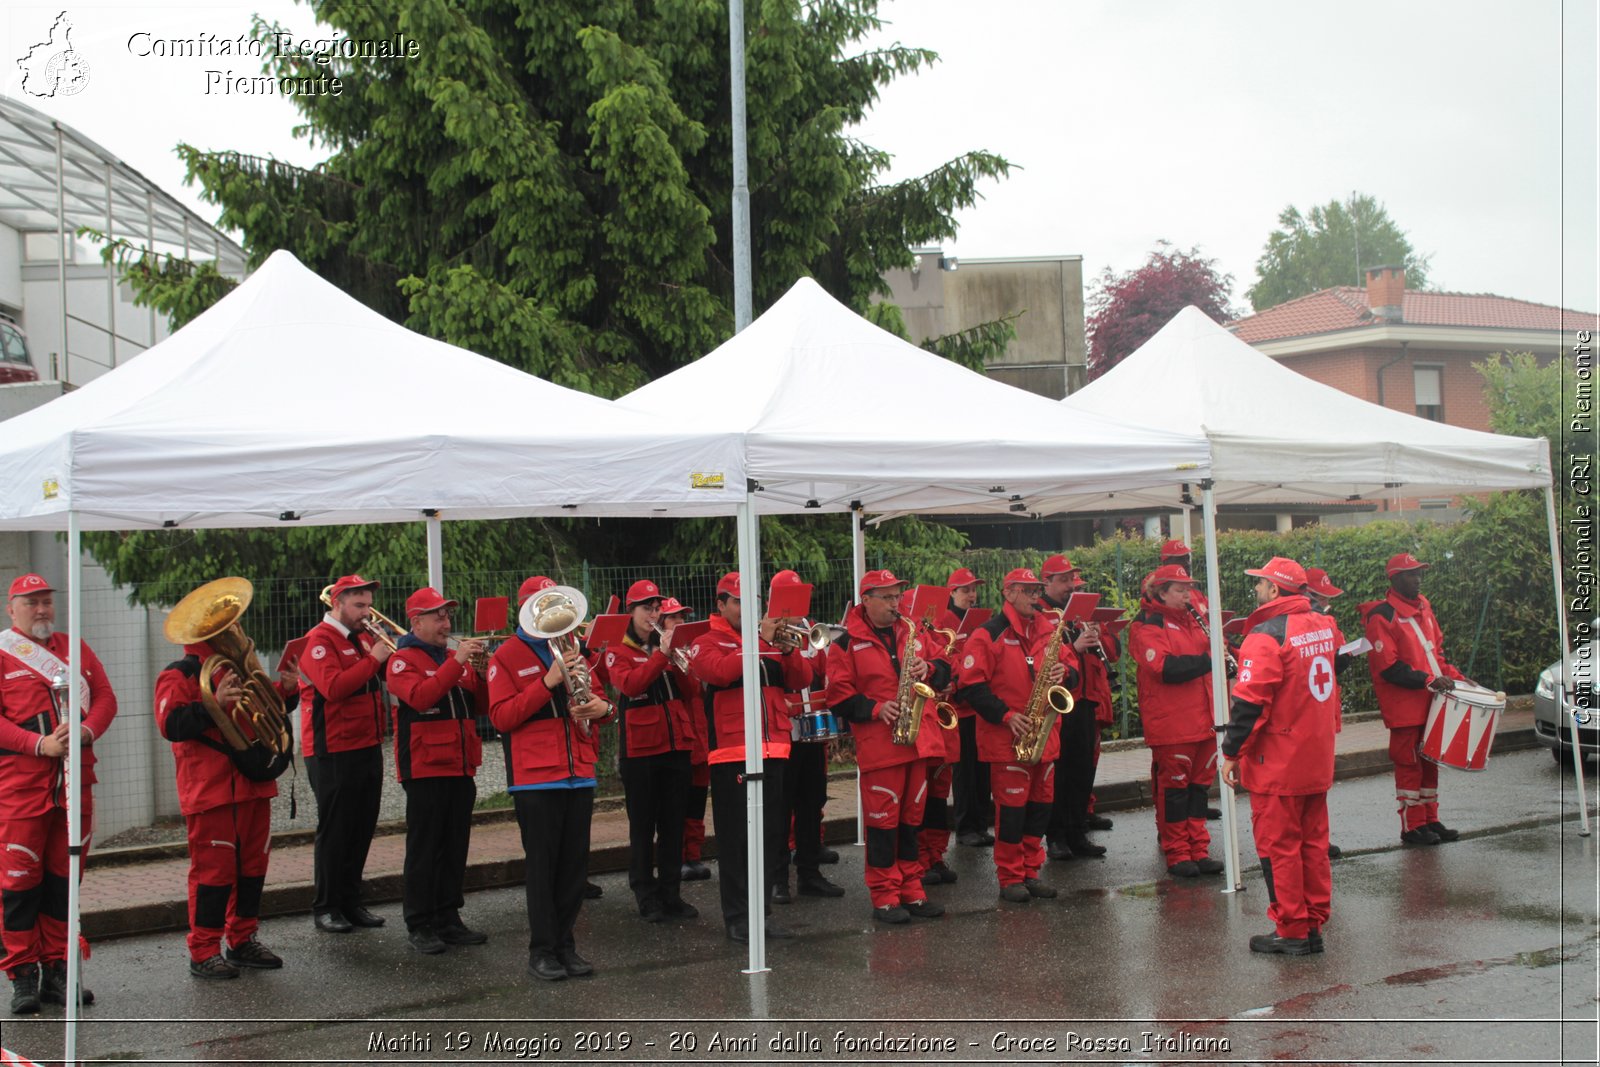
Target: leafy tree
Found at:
x=548, y=183
x=1126, y=310
x=1333, y=245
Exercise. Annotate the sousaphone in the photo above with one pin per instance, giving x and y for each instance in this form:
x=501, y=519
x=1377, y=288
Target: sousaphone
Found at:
x=211, y=614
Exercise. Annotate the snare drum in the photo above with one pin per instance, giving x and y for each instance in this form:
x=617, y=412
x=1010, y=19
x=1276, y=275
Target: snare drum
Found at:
x=813, y=726
x=1460, y=728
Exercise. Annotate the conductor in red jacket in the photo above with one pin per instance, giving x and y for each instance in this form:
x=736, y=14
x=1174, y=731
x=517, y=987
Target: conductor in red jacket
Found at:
x=438, y=697
x=1279, y=747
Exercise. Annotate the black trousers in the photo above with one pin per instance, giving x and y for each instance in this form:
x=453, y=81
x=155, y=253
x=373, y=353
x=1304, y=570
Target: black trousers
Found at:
x=656, y=790
x=729, y=811
x=555, y=846
x=970, y=786
x=438, y=831
x=348, y=787
x=1074, y=771
x=805, y=791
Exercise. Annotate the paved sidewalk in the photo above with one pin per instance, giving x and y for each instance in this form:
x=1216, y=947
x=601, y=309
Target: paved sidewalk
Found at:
x=142, y=890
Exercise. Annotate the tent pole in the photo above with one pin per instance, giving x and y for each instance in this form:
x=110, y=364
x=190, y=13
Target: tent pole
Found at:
x=743, y=302
x=858, y=568
x=1219, y=685
x=71, y=790
x=1561, y=627
x=755, y=814
x=435, y=550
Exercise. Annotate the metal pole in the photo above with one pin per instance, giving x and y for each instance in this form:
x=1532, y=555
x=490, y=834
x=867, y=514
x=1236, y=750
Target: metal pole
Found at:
x=1219, y=685
x=61, y=250
x=755, y=809
x=150, y=247
x=111, y=273
x=742, y=302
x=435, y=550
x=71, y=788
x=1566, y=651
x=858, y=570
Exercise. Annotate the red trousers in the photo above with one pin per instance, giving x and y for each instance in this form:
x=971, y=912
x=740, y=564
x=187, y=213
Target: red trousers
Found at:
x=934, y=838
x=228, y=851
x=1292, y=840
x=1183, y=774
x=1023, y=794
x=892, y=802
x=1416, y=780
x=694, y=827
x=33, y=885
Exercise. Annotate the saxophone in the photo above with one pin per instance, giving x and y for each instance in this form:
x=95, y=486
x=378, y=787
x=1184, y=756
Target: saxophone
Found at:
x=1045, y=704
x=912, y=695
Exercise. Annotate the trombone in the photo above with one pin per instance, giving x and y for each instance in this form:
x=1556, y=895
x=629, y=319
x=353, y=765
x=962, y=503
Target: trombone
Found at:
x=376, y=623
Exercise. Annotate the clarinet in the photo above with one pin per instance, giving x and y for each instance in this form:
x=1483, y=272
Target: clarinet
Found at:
x=1200, y=621
x=1098, y=649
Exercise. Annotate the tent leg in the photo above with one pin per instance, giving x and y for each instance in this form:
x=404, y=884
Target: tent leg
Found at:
x=435, y=550
x=858, y=558
x=755, y=808
x=1219, y=686
x=70, y=788
x=1561, y=627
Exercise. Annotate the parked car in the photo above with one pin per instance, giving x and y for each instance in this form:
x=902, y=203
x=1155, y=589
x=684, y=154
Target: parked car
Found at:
x=15, y=364
x=1552, y=725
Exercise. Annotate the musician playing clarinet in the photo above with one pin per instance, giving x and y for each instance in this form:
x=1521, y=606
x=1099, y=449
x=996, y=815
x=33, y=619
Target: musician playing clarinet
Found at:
x=1080, y=727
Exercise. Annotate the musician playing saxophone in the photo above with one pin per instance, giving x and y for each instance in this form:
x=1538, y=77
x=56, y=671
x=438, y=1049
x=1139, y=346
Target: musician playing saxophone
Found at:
x=996, y=678
x=870, y=667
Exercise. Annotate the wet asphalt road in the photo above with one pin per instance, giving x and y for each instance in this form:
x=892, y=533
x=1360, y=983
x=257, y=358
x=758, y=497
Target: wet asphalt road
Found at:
x=1479, y=951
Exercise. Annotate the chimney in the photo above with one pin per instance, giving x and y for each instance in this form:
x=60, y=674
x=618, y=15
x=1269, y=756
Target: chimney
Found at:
x=1386, y=292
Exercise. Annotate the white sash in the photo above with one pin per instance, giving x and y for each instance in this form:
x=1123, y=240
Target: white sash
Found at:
x=46, y=664
x=1433, y=664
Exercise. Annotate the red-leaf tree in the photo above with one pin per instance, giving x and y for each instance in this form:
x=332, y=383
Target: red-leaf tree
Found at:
x=1126, y=310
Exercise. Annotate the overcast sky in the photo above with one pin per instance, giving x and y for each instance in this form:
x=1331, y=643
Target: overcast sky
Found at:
x=1473, y=121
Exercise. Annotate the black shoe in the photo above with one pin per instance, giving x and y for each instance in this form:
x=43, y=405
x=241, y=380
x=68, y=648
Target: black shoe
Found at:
x=942, y=870
x=828, y=855
x=1334, y=852
x=213, y=967
x=53, y=984
x=546, y=966
x=252, y=953
x=1213, y=813
x=1015, y=894
x=678, y=908
x=1184, y=869
x=1057, y=850
x=425, y=941
x=739, y=931
x=923, y=909
x=780, y=893
x=360, y=916
x=694, y=871
x=1314, y=939
x=592, y=891
x=1443, y=832
x=1207, y=865
x=331, y=922
x=1284, y=946
x=971, y=838
x=25, y=990
x=892, y=914
x=778, y=933
x=456, y=932
x=1096, y=822
x=1082, y=846
x=576, y=966
x=651, y=911
x=816, y=885
x=1419, y=836
x=1036, y=888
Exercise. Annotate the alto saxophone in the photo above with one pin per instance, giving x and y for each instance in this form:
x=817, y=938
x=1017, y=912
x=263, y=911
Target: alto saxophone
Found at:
x=1045, y=704
x=912, y=695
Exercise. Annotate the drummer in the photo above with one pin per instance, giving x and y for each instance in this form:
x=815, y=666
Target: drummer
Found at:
x=1408, y=667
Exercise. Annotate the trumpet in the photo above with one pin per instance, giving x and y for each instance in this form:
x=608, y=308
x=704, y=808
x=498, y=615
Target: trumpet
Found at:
x=479, y=661
x=680, y=658
x=818, y=636
x=376, y=623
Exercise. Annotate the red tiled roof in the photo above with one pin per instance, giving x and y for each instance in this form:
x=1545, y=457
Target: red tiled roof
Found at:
x=1345, y=308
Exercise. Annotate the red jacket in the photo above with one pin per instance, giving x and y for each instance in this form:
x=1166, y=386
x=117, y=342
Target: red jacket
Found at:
x=435, y=705
x=1286, y=701
x=207, y=777
x=1400, y=671
x=542, y=743
x=30, y=784
x=1174, y=658
x=996, y=678
x=716, y=661
x=655, y=715
x=864, y=673
x=341, y=691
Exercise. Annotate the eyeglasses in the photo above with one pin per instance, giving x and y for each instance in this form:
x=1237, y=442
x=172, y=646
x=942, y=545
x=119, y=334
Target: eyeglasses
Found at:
x=649, y=605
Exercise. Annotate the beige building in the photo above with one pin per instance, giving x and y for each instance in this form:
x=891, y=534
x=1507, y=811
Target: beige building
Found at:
x=941, y=295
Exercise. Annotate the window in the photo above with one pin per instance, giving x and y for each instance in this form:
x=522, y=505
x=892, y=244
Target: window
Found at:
x=1430, y=392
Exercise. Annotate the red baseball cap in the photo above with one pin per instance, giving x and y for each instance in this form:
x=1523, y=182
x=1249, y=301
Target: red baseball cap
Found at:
x=643, y=589
x=1282, y=572
x=729, y=583
x=879, y=580
x=671, y=606
x=1057, y=565
x=30, y=584
x=532, y=586
x=1317, y=582
x=1022, y=576
x=1175, y=548
x=785, y=578
x=1405, y=561
x=425, y=600
x=1168, y=574
x=349, y=584
x=963, y=576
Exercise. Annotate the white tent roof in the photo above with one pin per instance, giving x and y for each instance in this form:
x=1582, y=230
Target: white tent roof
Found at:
x=1276, y=435
x=290, y=396
x=834, y=410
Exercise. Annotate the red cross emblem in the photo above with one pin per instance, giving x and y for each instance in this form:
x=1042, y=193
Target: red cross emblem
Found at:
x=1321, y=678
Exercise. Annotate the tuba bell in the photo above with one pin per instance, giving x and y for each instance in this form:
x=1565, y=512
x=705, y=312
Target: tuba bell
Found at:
x=211, y=614
x=555, y=613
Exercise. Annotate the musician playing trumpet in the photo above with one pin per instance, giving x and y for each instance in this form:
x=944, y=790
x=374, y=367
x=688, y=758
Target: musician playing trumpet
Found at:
x=870, y=667
x=341, y=736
